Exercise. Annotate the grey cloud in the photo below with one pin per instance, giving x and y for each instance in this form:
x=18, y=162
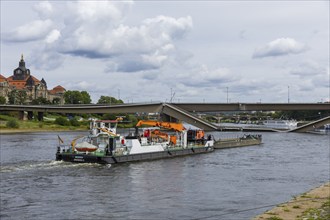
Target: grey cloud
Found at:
x=203, y=77
x=308, y=69
x=280, y=47
x=46, y=59
x=135, y=63
x=86, y=53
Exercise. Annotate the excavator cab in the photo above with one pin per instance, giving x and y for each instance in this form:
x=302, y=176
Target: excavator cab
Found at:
x=195, y=135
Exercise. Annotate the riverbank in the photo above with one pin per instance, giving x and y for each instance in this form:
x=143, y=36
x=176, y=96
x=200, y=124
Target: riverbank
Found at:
x=311, y=205
x=29, y=130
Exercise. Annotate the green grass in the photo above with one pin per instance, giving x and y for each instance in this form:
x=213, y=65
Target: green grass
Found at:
x=274, y=218
x=322, y=213
x=31, y=125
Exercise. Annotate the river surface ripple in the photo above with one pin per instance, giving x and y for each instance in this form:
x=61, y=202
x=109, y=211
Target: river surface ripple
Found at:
x=236, y=183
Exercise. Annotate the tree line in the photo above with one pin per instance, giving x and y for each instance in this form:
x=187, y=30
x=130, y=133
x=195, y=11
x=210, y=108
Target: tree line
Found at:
x=20, y=97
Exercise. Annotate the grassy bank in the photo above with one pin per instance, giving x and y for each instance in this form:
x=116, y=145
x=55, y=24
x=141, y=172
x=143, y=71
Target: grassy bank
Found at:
x=50, y=123
x=35, y=126
x=313, y=205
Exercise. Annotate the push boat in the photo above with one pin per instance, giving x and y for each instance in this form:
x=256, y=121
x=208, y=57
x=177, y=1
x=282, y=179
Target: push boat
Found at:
x=105, y=146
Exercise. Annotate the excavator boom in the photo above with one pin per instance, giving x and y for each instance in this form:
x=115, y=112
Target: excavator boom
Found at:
x=168, y=125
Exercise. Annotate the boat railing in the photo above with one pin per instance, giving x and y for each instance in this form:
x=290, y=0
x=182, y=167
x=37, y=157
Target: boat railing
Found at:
x=63, y=148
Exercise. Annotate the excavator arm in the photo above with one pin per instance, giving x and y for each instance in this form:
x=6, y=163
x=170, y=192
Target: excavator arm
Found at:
x=169, y=125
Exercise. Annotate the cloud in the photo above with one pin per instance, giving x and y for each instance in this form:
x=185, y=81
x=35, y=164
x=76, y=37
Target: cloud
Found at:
x=32, y=31
x=137, y=62
x=46, y=59
x=308, y=69
x=81, y=85
x=146, y=39
x=106, y=11
x=127, y=48
x=168, y=26
x=97, y=30
x=53, y=36
x=43, y=8
x=280, y=47
x=203, y=77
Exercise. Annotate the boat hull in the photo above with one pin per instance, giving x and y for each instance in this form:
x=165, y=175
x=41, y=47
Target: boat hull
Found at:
x=236, y=142
x=90, y=158
x=86, y=149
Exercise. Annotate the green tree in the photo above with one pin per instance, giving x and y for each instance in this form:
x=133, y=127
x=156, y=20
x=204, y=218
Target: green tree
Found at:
x=22, y=96
x=109, y=116
x=77, y=97
x=12, y=96
x=133, y=120
x=86, y=98
x=40, y=101
x=2, y=100
x=12, y=123
x=74, y=122
x=62, y=121
x=56, y=101
x=109, y=100
x=17, y=97
x=72, y=97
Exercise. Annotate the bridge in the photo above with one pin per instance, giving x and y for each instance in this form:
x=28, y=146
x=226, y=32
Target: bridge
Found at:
x=181, y=111
x=220, y=107
x=311, y=125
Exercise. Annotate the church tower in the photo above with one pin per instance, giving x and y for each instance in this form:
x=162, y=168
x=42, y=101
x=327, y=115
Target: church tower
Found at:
x=21, y=73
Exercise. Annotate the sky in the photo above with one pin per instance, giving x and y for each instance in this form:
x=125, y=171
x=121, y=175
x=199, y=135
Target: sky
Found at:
x=173, y=51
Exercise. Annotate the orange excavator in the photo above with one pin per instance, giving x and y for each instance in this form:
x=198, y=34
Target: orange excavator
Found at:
x=193, y=135
x=168, y=125
x=156, y=133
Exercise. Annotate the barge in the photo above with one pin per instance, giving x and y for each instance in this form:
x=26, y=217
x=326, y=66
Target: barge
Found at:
x=105, y=146
x=245, y=140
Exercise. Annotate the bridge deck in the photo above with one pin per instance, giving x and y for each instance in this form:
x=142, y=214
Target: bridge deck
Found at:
x=179, y=110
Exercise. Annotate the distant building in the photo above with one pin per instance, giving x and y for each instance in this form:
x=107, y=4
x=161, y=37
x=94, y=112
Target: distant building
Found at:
x=35, y=88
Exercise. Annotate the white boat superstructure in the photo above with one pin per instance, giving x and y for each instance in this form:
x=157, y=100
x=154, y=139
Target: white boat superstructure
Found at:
x=280, y=124
x=152, y=140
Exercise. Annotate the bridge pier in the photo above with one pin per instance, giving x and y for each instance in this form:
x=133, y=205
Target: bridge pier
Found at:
x=40, y=116
x=21, y=115
x=29, y=115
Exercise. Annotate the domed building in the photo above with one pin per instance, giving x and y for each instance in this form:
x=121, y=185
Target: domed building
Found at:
x=22, y=80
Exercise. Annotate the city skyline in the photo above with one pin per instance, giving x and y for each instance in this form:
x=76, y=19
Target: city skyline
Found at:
x=185, y=51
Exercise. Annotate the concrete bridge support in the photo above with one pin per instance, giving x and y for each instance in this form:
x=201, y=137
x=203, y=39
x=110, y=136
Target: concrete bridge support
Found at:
x=40, y=116
x=29, y=115
x=21, y=115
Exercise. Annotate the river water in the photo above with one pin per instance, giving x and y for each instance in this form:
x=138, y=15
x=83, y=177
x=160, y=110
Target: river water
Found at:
x=236, y=183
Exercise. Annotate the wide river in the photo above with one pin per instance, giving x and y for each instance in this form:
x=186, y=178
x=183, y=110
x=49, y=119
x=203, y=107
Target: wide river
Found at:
x=236, y=183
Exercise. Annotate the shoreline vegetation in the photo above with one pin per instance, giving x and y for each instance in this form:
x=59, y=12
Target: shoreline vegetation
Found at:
x=18, y=126
x=312, y=205
x=31, y=130
x=10, y=123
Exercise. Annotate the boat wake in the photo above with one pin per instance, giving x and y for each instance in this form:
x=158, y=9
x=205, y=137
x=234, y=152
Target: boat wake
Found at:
x=33, y=165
